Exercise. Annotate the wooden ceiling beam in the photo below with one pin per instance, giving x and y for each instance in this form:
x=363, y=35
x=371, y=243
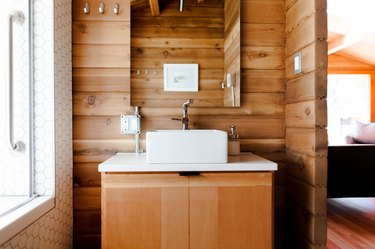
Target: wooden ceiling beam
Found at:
x=154, y=6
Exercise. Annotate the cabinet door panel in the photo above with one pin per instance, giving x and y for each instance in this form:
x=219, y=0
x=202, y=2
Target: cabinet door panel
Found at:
x=231, y=210
x=145, y=211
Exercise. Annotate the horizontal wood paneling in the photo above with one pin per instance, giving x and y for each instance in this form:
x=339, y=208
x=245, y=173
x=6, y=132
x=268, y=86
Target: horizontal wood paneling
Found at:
x=86, y=198
x=107, y=127
x=310, y=86
x=312, y=142
x=101, y=80
x=86, y=175
x=307, y=114
x=260, y=34
x=101, y=32
x=312, y=224
x=261, y=11
x=340, y=62
x=101, y=87
x=312, y=199
x=104, y=56
x=262, y=57
x=262, y=81
x=314, y=57
x=87, y=222
x=311, y=170
x=306, y=120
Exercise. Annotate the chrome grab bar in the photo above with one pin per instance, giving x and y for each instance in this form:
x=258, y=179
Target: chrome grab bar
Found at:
x=19, y=18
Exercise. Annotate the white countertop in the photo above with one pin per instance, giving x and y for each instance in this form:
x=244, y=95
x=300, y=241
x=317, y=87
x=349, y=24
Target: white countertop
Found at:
x=131, y=162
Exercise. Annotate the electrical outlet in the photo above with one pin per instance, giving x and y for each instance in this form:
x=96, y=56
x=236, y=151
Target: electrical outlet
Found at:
x=130, y=124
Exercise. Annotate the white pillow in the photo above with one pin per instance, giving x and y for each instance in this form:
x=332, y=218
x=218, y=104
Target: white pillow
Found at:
x=365, y=133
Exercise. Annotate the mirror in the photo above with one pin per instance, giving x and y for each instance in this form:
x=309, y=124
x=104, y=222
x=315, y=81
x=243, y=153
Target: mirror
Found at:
x=206, y=32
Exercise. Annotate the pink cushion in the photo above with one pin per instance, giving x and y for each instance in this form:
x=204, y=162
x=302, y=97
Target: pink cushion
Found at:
x=365, y=133
x=350, y=140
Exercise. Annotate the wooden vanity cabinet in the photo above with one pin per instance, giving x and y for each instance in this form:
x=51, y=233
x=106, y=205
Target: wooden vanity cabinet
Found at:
x=169, y=211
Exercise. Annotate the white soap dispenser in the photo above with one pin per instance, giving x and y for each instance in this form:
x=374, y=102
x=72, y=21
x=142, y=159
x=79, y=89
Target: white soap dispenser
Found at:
x=233, y=142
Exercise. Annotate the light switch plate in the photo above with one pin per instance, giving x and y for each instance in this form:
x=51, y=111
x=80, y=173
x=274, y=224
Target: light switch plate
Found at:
x=130, y=124
x=297, y=63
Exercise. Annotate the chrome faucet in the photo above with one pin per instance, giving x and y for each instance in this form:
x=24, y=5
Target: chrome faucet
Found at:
x=185, y=115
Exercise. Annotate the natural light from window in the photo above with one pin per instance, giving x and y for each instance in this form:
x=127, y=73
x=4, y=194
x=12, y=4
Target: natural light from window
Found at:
x=348, y=100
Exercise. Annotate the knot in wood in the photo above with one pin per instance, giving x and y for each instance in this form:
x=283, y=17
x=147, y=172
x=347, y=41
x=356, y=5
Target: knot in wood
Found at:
x=262, y=55
x=139, y=51
x=109, y=121
x=166, y=53
x=82, y=27
x=307, y=111
x=91, y=100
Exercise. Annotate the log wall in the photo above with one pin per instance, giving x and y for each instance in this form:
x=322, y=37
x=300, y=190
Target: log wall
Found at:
x=306, y=121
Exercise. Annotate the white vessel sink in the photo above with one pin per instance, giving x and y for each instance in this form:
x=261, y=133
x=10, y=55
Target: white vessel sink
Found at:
x=187, y=146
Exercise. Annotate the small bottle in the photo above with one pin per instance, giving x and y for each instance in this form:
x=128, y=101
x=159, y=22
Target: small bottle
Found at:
x=233, y=142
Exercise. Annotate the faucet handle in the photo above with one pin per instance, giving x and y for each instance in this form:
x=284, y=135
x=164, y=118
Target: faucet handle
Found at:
x=188, y=102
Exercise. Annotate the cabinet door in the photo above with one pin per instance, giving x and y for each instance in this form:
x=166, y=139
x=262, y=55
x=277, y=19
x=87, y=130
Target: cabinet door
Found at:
x=231, y=211
x=145, y=211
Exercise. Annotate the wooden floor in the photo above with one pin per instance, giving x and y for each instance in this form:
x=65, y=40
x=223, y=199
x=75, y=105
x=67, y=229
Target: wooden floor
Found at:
x=351, y=223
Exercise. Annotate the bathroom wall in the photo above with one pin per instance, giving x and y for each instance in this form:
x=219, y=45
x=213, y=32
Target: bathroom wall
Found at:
x=54, y=121
x=306, y=122
x=100, y=98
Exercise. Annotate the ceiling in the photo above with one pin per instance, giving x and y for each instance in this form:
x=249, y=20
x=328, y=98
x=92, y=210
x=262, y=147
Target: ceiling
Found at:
x=351, y=29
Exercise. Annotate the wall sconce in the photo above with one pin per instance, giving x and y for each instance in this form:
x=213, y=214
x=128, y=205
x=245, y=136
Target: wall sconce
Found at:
x=86, y=8
x=116, y=8
x=101, y=8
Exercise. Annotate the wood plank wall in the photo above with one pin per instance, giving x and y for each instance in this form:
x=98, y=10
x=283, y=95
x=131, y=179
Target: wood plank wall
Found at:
x=101, y=90
x=195, y=35
x=101, y=94
x=341, y=64
x=306, y=121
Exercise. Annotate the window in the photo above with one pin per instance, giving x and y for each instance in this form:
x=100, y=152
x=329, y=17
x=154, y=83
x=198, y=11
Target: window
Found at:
x=27, y=176
x=348, y=100
x=16, y=176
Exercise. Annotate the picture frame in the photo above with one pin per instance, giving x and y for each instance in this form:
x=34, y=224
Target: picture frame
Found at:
x=181, y=77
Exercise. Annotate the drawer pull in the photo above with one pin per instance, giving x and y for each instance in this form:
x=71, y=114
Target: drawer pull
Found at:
x=189, y=173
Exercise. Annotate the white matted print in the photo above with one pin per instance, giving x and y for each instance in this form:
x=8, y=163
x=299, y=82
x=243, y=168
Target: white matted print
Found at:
x=181, y=77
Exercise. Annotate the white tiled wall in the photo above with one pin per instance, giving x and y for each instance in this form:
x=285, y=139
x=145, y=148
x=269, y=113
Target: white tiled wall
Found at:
x=54, y=127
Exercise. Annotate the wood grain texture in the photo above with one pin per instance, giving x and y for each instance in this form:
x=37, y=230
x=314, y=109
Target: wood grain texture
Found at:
x=306, y=120
x=312, y=225
x=166, y=210
x=312, y=142
x=351, y=223
x=311, y=170
x=236, y=208
x=307, y=197
x=153, y=213
x=102, y=78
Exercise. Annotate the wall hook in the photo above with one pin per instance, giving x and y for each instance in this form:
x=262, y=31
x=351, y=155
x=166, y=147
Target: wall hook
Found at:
x=116, y=8
x=86, y=8
x=101, y=8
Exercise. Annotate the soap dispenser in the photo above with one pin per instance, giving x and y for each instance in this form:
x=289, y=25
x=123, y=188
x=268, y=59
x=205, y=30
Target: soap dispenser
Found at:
x=233, y=142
